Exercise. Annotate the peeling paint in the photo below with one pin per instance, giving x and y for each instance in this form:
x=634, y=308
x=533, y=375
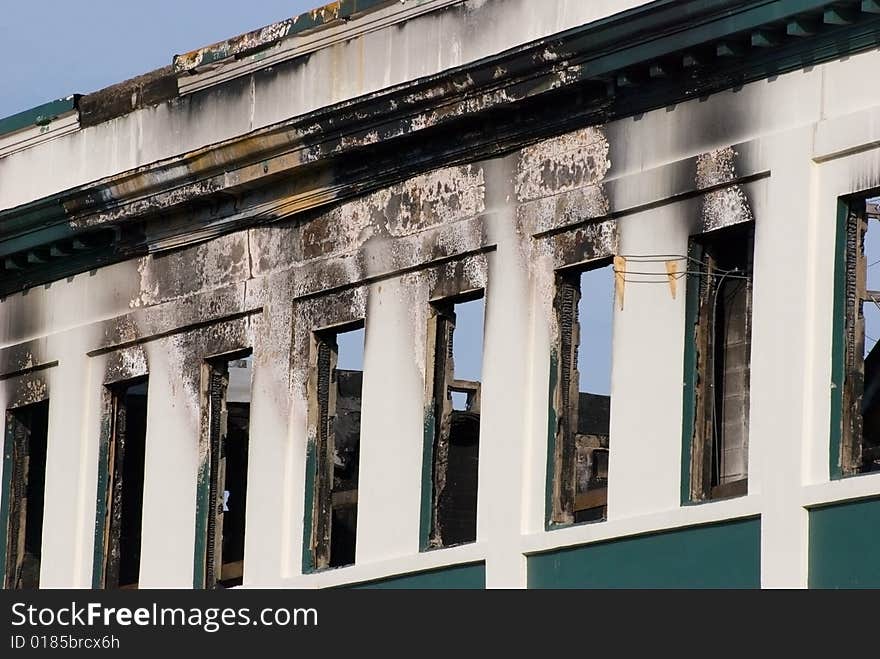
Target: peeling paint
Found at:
x=563, y=163
x=404, y=209
x=213, y=264
x=729, y=205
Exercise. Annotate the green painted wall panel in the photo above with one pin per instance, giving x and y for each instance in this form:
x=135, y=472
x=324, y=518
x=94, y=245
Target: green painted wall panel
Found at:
x=726, y=555
x=844, y=545
x=460, y=576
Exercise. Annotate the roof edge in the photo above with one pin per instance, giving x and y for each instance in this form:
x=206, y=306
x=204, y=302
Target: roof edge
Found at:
x=325, y=16
x=40, y=115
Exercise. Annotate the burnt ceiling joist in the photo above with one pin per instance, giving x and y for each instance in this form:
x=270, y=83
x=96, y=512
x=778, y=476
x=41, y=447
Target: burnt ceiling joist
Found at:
x=653, y=56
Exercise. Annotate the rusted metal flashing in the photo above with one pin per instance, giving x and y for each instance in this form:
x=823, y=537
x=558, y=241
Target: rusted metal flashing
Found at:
x=330, y=14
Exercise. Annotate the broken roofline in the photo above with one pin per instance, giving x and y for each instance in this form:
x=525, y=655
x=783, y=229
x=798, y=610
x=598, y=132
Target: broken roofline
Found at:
x=334, y=13
x=589, y=74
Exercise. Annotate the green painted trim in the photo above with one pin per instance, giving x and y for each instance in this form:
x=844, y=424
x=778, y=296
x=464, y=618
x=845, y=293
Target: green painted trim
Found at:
x=718, y=555
x=427, y=493
x=38, y=116
x=308, y=557
x=689, y=381
x=844, y=539
x=459, y=577
x=203, y=504
x=551, y=444
x=5, y=496
x=838, y=345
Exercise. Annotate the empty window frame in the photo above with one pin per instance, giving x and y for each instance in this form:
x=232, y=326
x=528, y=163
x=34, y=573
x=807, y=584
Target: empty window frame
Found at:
x=223, y=481
x=858, y=308
x=580, y=442
x=720, y=308
x=335, y=406
x=25, y=469
x=455, y=340
x=121, y=486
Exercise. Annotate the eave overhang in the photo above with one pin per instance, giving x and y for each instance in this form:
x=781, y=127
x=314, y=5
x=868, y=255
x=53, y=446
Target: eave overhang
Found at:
x=661, y=53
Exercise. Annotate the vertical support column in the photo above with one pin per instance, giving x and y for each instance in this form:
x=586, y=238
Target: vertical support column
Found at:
x=646, y=386
x=171, y=467
x=782, y=358
x=276, y=459
x=505, y=390
x=69, y=509
x=391, y=427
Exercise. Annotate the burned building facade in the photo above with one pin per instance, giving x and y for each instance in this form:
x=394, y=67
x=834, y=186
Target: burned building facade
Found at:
x=237, y=291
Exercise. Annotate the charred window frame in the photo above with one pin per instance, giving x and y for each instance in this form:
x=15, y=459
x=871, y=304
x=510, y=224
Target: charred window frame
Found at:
x=717, y=364
x=452, y=436
x=855, y=412
x=577, y=469
x=24, y=479
x=121, y=485
x=334, y=414
x=222, y=485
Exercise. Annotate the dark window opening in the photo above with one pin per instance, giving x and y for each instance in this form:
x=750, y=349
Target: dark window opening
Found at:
x=584, y=307
x=457, y=338
x=125, y=491
x=860, y=448
x=722, y=342
x=336, y=392
x=26, y=436
x=228, y=385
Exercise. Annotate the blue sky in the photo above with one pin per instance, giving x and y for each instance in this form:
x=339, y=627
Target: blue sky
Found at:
x=54, y=48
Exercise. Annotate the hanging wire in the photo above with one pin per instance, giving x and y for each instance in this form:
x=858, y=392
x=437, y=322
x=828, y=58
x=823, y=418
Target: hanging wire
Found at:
x=663, y=258
x=721, y=273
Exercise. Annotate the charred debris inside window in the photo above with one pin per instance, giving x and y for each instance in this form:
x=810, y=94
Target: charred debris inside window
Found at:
x=336, y=404
x=455, y=362
x=126, y=451
x=26, y=436
x=227, y=395
x=860, y=441
x=721, y=274
x=584, y=306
